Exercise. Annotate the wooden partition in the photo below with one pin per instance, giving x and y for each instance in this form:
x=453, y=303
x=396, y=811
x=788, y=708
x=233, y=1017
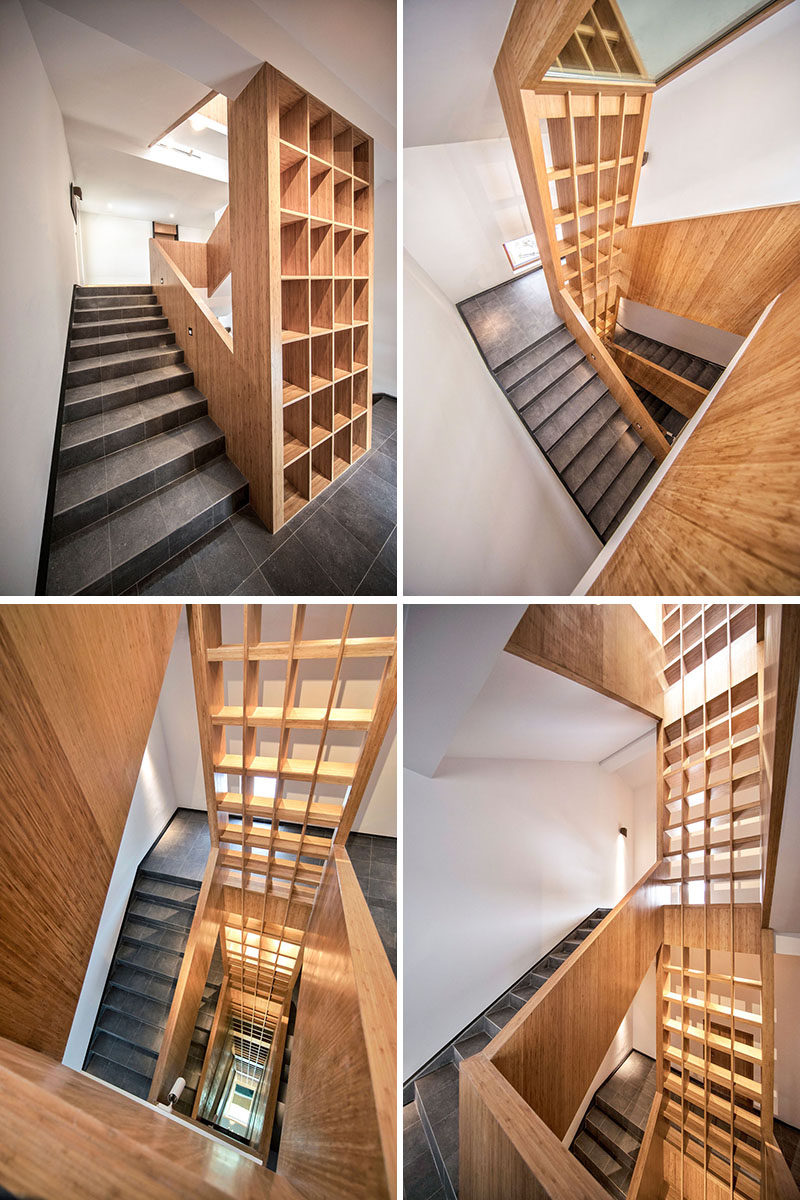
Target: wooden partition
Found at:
x=339, y=1135
x=780, y=673
x=81, y=683
x=778, y=1181
x=188, y=995
x=606, y=647
x=218, y=252
x=190, y=258
x=551, y=1050
x=725, y=519
x=721, y=270
x=67, y=1136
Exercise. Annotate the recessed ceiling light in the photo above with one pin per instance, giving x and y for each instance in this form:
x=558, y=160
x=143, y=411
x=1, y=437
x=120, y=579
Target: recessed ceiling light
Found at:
x=197, y=122
x=172, y=216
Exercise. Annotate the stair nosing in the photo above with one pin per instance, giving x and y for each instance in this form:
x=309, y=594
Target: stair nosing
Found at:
x=518, y=383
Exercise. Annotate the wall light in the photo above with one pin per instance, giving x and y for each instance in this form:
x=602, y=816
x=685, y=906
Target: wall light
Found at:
x=623, y=831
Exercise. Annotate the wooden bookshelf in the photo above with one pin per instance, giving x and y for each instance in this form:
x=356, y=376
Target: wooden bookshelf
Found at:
x=324, y=195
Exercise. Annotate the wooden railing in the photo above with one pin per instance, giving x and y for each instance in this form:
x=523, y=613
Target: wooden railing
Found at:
x=339, y=1133
x=648, y=1173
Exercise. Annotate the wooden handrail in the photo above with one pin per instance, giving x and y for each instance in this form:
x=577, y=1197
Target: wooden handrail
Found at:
x=648, y=1173
x=778, y=1181
x=552, y=1048
x=339, y=1133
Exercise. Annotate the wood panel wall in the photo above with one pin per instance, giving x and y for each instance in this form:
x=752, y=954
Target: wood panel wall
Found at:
x=551, y=1050
x=218, y=252
x=67, y=1136
x=725, y=520
x=780, y=678
x=338, y=1140
x=80, y=685
x=191, y=260
x=721, y=270
x=606, y=647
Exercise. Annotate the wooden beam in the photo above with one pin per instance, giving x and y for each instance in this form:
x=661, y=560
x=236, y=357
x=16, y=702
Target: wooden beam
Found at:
x=781, y=674
x=536, y=34
x=676, y=391
x=382, y=715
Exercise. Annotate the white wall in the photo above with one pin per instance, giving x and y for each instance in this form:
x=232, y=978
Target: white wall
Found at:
x=116, y=249
x=502, y=859
x=384, y=335
x=154, y=801
x=714, y=146
x=787, y=1044
x=461, y=202
x=484, y=512
x=39, y=269
x=378, y=811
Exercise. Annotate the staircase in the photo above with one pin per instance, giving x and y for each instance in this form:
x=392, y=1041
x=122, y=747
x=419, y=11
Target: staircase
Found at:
x=142, y=471
x=577, y=424
x=696, y=370
x=133, y=1012
x=200, y=1036
x=435, y=1090
x=610, y=1136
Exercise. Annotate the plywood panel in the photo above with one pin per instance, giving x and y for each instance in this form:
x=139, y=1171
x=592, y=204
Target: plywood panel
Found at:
x=725, y=520
x=606, y=647
x=70, y=1137
x=552, y=1048
x=218, y=249
x=678, y=392
x=81, y=684
x=780, y=677
x=721, y=270
x=338, y=1139
x=190, y=258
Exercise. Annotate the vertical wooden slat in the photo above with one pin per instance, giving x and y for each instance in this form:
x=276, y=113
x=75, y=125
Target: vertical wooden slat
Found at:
x=575, y=197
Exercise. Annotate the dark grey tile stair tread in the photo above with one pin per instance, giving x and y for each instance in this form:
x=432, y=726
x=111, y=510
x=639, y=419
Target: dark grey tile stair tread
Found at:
x=615, y=1139
x=546, y=375
x=533, y=358
x=438, y=1093
x=618, y=494
x=160, y=912
x=127, y=1080
x=160, y=959
x=172, y=893
x=631, y=500
x=126, y=383
x=155, y=933
x=113, y=289
x=131, y=339
x=131, y=358
x=526, y=991
x=140, y=982
x=603, y=475
x=145, y=319
x=136, y=1004
x=472, y=1045
x=709, y=376
x=613, y=1173
x=570, y=413
x=140, y=1035
x=501, y=1016
x=543, y=405
x=579, y=438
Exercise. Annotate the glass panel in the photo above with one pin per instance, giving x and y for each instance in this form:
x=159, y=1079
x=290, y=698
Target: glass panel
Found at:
x=666, y=34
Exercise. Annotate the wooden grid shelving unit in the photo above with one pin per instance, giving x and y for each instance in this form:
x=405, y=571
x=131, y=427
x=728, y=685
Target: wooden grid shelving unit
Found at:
x=600, y=45
x=714, y=1016
x=283, y=783
x=325, y=202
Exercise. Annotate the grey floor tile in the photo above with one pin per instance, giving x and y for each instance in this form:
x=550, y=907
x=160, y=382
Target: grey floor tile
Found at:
x=221, y=561
x=341, y=555
x=293, y=571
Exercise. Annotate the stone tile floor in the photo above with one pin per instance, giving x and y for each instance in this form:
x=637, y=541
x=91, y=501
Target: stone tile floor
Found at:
x=509, y=318
x=183, y=847
x=374, y=861
x=420, y=1180
x=631, y=1088
x=342, y=543
x=788, y=1138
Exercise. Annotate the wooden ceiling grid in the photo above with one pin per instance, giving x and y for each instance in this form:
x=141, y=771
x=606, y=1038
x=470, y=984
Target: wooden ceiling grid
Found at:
x=713, y=1017
x=273, y=847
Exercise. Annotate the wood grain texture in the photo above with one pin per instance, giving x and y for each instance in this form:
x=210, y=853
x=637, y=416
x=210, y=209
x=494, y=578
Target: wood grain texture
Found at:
x=339, y=1136
x=724, y=520
x=216, y=1041
x=716, y=935
x=678, y=392
x=506, y=1152
x=605, y=647
x=778, y=1181
x=537, y=31
x=550, y=1050
x=191, y=260
x=647, y=1173
x=191, y=983
x=605, y=366
x=781, y=674
x=81, y=685
x=382, y=715
x=218, y=252
x=89, y=1142
x=721, y=270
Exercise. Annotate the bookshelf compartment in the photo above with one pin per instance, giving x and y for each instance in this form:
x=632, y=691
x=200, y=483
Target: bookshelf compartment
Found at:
x=294, y=114
x=343, y=303
x=361, y=205
x=342, y=403
x=342, y=354
x=360, y=254
x=296, y=486
x=360, y=300
x=321, y=306
x=321, y=192
x=321, y=362
x=294, y=248
x=321, y=254
x=359, y=394
x=359, y=437
x=321, y=415
x=296, y=430
x=343, y=201
x=294, y=309
x=361, y=158
x=360, y=348
x=294, y=187
x=343, y=150
x=321, y=466
x=343, y=252
x=341, y=451
x=295, y=370
x=321, y=132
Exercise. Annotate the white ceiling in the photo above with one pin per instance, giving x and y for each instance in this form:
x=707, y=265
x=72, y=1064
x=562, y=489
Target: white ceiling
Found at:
x=449, y=52
x=527, y=712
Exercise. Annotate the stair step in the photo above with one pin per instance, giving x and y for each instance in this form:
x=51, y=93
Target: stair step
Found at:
x=159, y=890
x=163, y=963
x=109, y=394
x=121, y=1077
x=437, y=1102
x=113, y=289
x=129, y=362
x=499, y=1017
x=471, y=1045
x=93, y=490
x=563, y=389
x=91, y=437
x=140, y=983
x=582, y=434
x=614, y=1177
x=570, y=413
x=613, y=1137
x=147, y=933
x=117, y=551
x=161, y=914
x=81, y=348
x=600, y=479
x=618, y=496
x=534, y=357
x=632, y=498
x=117, y=326
x=528, y=390
x=138, y=1005
x=145, y=1038
x=139, y=307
